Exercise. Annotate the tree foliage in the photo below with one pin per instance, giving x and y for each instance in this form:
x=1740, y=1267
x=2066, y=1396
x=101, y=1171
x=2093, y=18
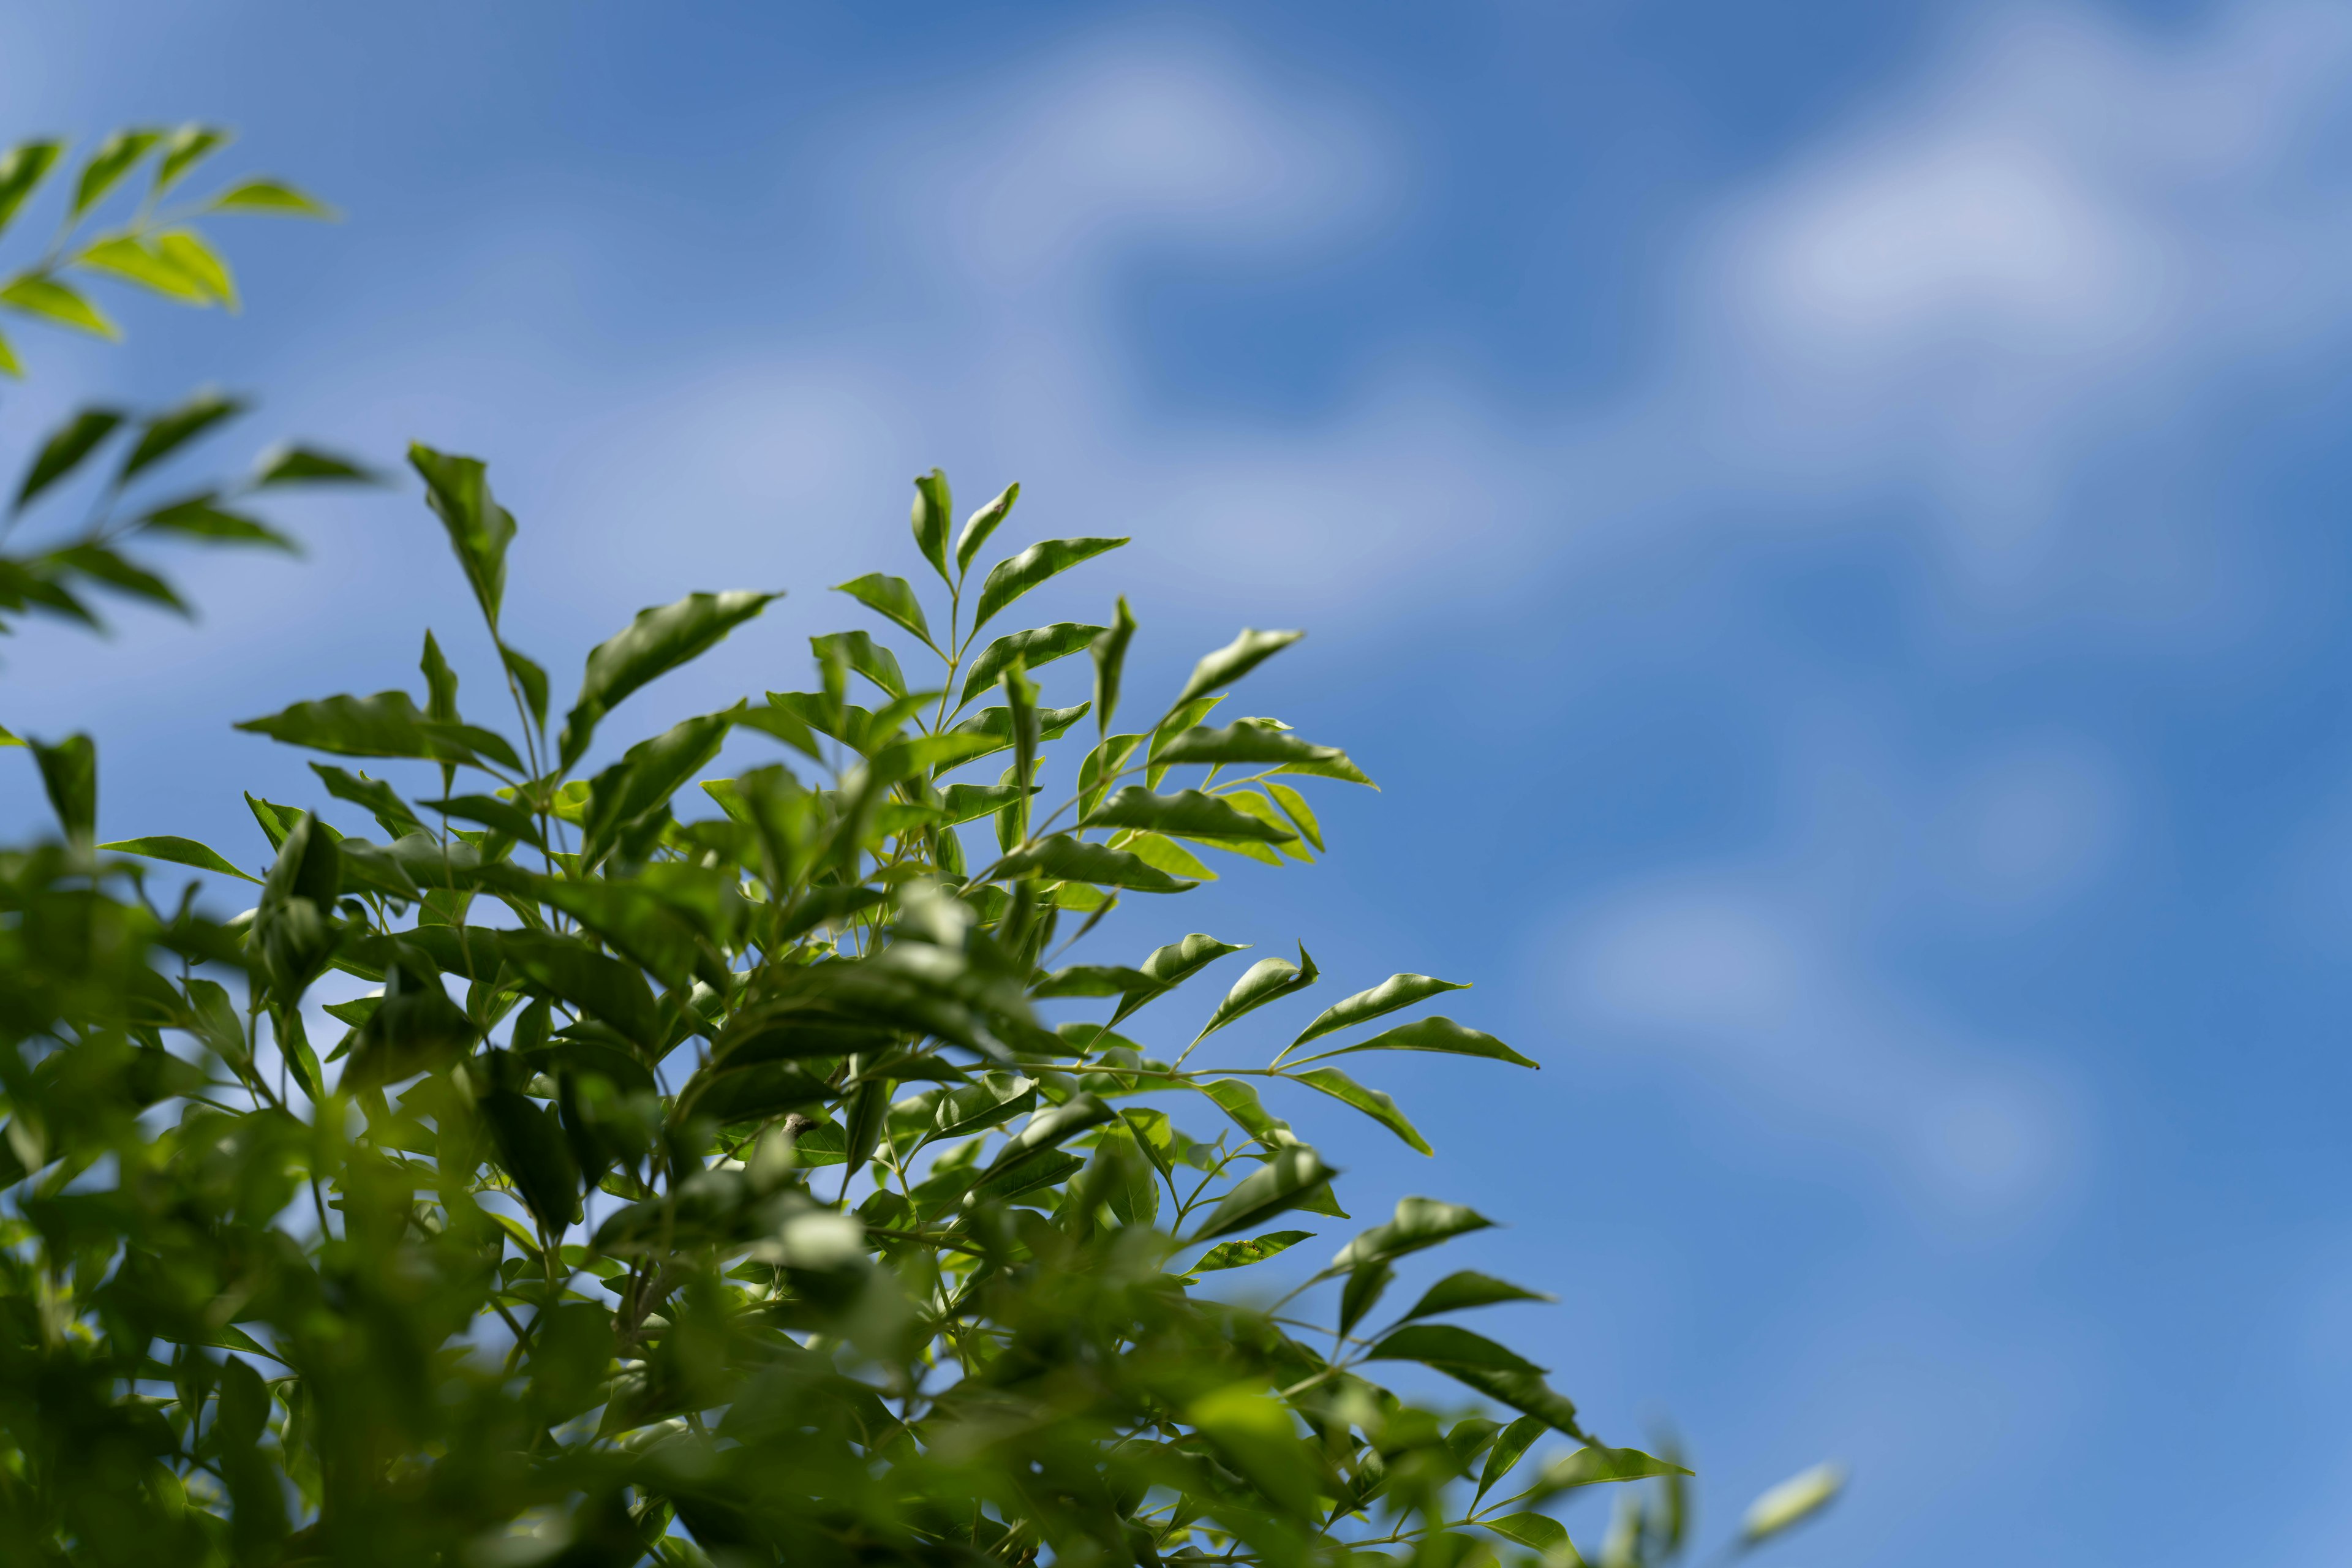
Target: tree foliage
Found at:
x=596, y=1165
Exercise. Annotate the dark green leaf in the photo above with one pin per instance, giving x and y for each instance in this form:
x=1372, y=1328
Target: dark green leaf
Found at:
x=1288, y=1178
x=1397, y=991
x=22, y=168
x=69, y=774
x=1060, y=857
x=1438, y=1033
x=645, y=777
x=1371, y=1102
x=167, y=433
x=63, y=452
x=980, y=524
x=657, y=641
x=532, y=1148
x=1509, y=1447
x=187, y=147
x=179, y=852
x=378, y=796
x=105, y=566
x=199, y=518
x=458, y=490
x=533, y=681
x=1469, y=1288
x=1366, y=1283
x=867, y=657
x=1594, y=1463
x=1187, y=815
x=1267, y=980
x=591, y=983
x=384, y=725
x=1011, y=578
x=284, y=465
x=890, y=596
x=1109, y=652
x=1030, y=648
x=1234, y=660
x=1255, y=745
x=1446, y=1345
x=1256, y=1249
x=499, y=816
x=1419, y=1223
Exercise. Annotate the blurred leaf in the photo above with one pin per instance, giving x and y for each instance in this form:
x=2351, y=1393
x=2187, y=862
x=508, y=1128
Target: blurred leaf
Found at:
x=69, y=774
x=1790, y=1503
x=116, y=156
x=1366, y=1285
x=134, y=262
x=166, y=433
x=1540, y=1531
x=1259, y=1435
x=184, y=150
x=22, y=168
x=55, y=301
x=65, y=449
x=1015, y=575
x=268, y=198
x=199, y=518
x=186, y=250
x=1241, y=1254
x=284, y=465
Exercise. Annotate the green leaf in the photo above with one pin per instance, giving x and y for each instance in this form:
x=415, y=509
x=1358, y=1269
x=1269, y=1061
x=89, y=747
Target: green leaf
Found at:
x=1030, y=648
x=1179, y=960
x=645, y=777
x=864, y=655
x=1509, y=1447
x=1396, y=991
x=1468, y=1289
x=23, y=168
x=1190, y=815
x=268, y=198
x=594, y=983
x=1267, y=980
x=187, y=147
x=1791, y=1502
x=1241, y=1254
x=980, y=524
x=1255, y=745
x=890, y=596
x=1260, y=1437
x=1295, y=806
x=199, y=518
x=1371, y=1102
x=133, y=262
x=930, y=519
x=10, y=365
x=1289, y=1177
x=969, y=803
x=1234, y=660
x=996, y=723
x=497, y=815
x=1239, y=1100
x=377, y=796
x=533, y=679
x=1094, y=980
x=1365, y=1286
x=179, y=852
x=1109, y=652
x=479, y=529
x=415, y=1027
x=185, y=249
x=532, y=1147
x=659, y=640
x=105, y=566
x=166, y=433
x=115, y=157
x=1062, y=858
x=1541, y=1532
x=384, y=725
x=55, y=301
x=1418, y=1223
x=65, y=449
x=1593, y=1465
x=1049, y=1128
x=284, y=465
x=1438, y=1033
x=1167, y=855
x=69, y=774
x=1444, y=1345
x=1015, y=575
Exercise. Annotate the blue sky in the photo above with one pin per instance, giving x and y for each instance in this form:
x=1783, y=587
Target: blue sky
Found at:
x=1824, y=519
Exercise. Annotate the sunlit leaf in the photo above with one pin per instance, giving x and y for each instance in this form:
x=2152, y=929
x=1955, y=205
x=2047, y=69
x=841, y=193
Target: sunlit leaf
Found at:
x=1012, y=577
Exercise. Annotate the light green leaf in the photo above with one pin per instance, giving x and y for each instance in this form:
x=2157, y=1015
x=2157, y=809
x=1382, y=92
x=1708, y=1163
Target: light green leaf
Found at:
x=1031, y=649
x=930, y=519
x=1167, y=854
x=1190, y=815
x=1438, y=1033
x=980, y=524
x=1468, y=1289
x=659, y=640
x=185, y=148
x=1791, y=1502
x=115, y=157
x=861, y=653
x=1260, y=1437
x=1256, y=1249
x=1061, y=858
x=55, y=301
x=186, y=249
x=1234, y=660
x=1541, y=1532
x=890, y=596
x=1371, y=1102
x=1295, y=806
x=1593, y=1465
x=1239, y=1100
x=268, y=198
x=1015, y=575
x=133, y=262
x=1288, y=1179
x=179, y=852
x=1267, y=980
x=1396, y=991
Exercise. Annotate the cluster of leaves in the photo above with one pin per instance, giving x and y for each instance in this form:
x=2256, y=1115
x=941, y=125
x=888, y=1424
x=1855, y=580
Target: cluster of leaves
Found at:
x=543, y=1257
x=156, y=249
